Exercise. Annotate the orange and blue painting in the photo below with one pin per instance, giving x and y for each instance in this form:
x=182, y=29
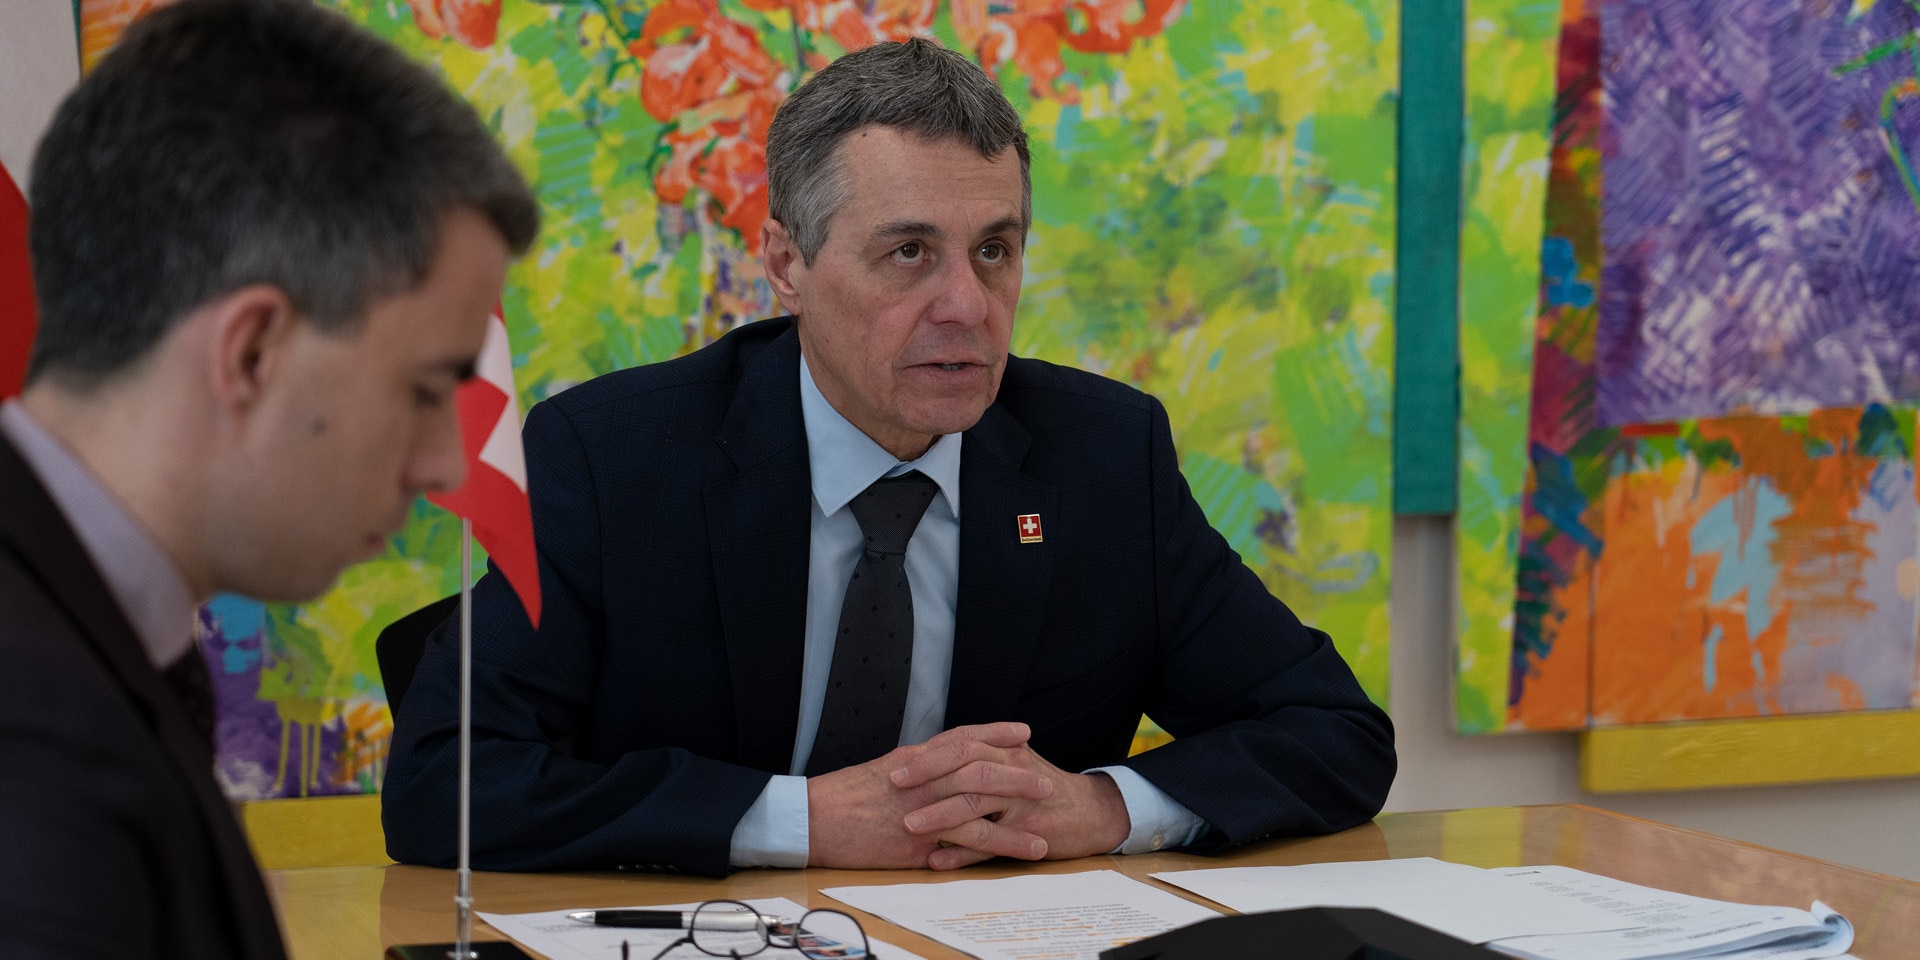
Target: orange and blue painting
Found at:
x=1732, y=567
x=1214, y=220
x=1712, y=527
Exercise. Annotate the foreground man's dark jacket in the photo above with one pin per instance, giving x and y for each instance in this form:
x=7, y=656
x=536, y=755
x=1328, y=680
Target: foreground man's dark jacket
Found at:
x=115, y=841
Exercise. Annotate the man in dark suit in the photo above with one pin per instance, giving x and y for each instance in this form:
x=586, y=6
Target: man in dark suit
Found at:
x=855, y=588
x=265, y=247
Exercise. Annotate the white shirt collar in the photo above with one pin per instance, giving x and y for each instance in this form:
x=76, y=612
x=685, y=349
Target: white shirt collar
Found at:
x=144, y=582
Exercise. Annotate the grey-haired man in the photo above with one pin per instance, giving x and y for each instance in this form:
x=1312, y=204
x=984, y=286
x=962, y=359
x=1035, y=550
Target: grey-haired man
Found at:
x=856, y=588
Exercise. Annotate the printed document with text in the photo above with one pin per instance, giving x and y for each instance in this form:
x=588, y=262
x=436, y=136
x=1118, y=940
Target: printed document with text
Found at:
x=1044, y=917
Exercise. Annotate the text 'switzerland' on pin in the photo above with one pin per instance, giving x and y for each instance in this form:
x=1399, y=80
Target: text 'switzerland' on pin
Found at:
x=1029, y=527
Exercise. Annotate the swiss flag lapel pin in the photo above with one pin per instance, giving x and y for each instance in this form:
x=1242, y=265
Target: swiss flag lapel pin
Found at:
x=1029, y=526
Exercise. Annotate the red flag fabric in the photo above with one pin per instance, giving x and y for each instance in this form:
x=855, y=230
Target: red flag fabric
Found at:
x=17, y=314
x=495, y=494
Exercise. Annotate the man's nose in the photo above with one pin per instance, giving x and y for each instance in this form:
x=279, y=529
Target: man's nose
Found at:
x=439, y=458
x=961, y=296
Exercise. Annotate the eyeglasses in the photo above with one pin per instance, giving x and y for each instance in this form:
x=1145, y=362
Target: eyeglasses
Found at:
x=729, y=928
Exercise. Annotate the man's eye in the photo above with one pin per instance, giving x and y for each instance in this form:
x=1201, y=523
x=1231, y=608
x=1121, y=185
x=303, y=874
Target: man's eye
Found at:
x=993, y=252
x=911, y=251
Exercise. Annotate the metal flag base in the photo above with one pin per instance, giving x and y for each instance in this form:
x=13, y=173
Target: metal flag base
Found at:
x=464, y=948
x=484, y=950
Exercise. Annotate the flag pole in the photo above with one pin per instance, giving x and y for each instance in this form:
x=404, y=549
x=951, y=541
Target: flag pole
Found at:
x=508, y=532
x=463, y=895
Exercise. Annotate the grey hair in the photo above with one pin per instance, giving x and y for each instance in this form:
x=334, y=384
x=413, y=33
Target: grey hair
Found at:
x=917, y=87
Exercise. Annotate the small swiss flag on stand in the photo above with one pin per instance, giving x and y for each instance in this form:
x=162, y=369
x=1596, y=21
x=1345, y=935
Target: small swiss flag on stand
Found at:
x=494, y=497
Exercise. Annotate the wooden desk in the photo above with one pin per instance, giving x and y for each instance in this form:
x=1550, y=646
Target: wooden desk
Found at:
x=354, y=912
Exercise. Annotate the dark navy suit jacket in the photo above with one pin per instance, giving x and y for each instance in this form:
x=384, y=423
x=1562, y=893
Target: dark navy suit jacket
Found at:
x=662, y=689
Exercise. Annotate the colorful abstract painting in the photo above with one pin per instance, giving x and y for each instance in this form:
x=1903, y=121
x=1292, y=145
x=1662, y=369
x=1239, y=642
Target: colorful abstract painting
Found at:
x=1760, y=214
x=1506, y=361
x=1755, y=566
x=1702, y=567
x=102, y=22
x=1728, y=567
x=1213, y=189
x=1510, y=60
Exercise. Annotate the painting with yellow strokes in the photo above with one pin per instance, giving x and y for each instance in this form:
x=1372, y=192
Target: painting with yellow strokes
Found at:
x=1510, y=61
x=1213, y=203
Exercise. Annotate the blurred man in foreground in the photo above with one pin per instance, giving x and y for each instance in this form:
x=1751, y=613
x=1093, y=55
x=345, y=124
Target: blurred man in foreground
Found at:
x=265, y=248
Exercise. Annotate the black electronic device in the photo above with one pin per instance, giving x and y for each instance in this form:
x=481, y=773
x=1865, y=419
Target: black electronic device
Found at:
x=1314, y=933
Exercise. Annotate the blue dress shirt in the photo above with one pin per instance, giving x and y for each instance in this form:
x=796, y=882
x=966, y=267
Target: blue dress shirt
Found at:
x=844, y=461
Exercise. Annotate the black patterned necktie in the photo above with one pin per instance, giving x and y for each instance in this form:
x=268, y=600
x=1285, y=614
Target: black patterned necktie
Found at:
x=873, y=651
x=190, y=682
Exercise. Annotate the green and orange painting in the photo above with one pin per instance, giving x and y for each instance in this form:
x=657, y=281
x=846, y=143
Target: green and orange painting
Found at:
x=1213, y=202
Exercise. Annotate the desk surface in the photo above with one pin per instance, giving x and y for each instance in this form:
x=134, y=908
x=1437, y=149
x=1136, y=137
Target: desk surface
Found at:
x=350, y=912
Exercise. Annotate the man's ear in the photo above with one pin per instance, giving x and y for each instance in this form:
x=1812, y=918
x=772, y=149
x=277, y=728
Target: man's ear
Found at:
x=786, y=269
x=252, y=332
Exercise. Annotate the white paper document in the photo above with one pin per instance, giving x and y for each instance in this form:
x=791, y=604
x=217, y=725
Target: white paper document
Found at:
x=1470, y=903
x=1674, y=925
x=551, y=933
x=1070, y=916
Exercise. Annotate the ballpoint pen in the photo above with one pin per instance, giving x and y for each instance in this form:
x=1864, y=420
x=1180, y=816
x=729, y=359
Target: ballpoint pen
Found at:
x=674, y=919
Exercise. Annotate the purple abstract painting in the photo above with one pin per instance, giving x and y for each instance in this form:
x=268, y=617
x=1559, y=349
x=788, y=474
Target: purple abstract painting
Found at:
x=1761, y=217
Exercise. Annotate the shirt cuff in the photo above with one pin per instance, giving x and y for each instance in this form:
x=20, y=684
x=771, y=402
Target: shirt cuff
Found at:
x=1159, y=821
x=774, y=831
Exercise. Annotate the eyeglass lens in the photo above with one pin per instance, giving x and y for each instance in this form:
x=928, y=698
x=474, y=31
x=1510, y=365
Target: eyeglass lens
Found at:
x=830, y=935
x=724, y=928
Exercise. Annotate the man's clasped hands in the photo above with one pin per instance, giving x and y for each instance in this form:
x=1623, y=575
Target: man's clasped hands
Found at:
x=969, y=794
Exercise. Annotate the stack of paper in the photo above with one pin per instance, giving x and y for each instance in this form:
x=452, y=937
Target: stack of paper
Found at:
x=1537, y=913
x=1674, y=925
x=1472, y=904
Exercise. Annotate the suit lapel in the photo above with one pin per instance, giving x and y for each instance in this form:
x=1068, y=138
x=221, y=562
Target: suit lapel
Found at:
x=35, y=531
x=1003, y=582
x=66, y=573
x=759, y=524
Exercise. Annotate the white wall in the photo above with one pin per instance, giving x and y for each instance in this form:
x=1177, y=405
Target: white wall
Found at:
x=1874, y=824
x=39, y=63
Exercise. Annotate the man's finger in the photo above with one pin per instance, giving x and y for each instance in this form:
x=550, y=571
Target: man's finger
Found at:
x=930, y=761
x=993, y=840
x=953, y=858
x=993, y=779
x=951, y=812
x=1007, y=733
x=942, y=756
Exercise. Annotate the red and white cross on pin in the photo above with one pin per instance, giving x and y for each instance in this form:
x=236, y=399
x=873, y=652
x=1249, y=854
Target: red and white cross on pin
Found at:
x=1029, y=527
